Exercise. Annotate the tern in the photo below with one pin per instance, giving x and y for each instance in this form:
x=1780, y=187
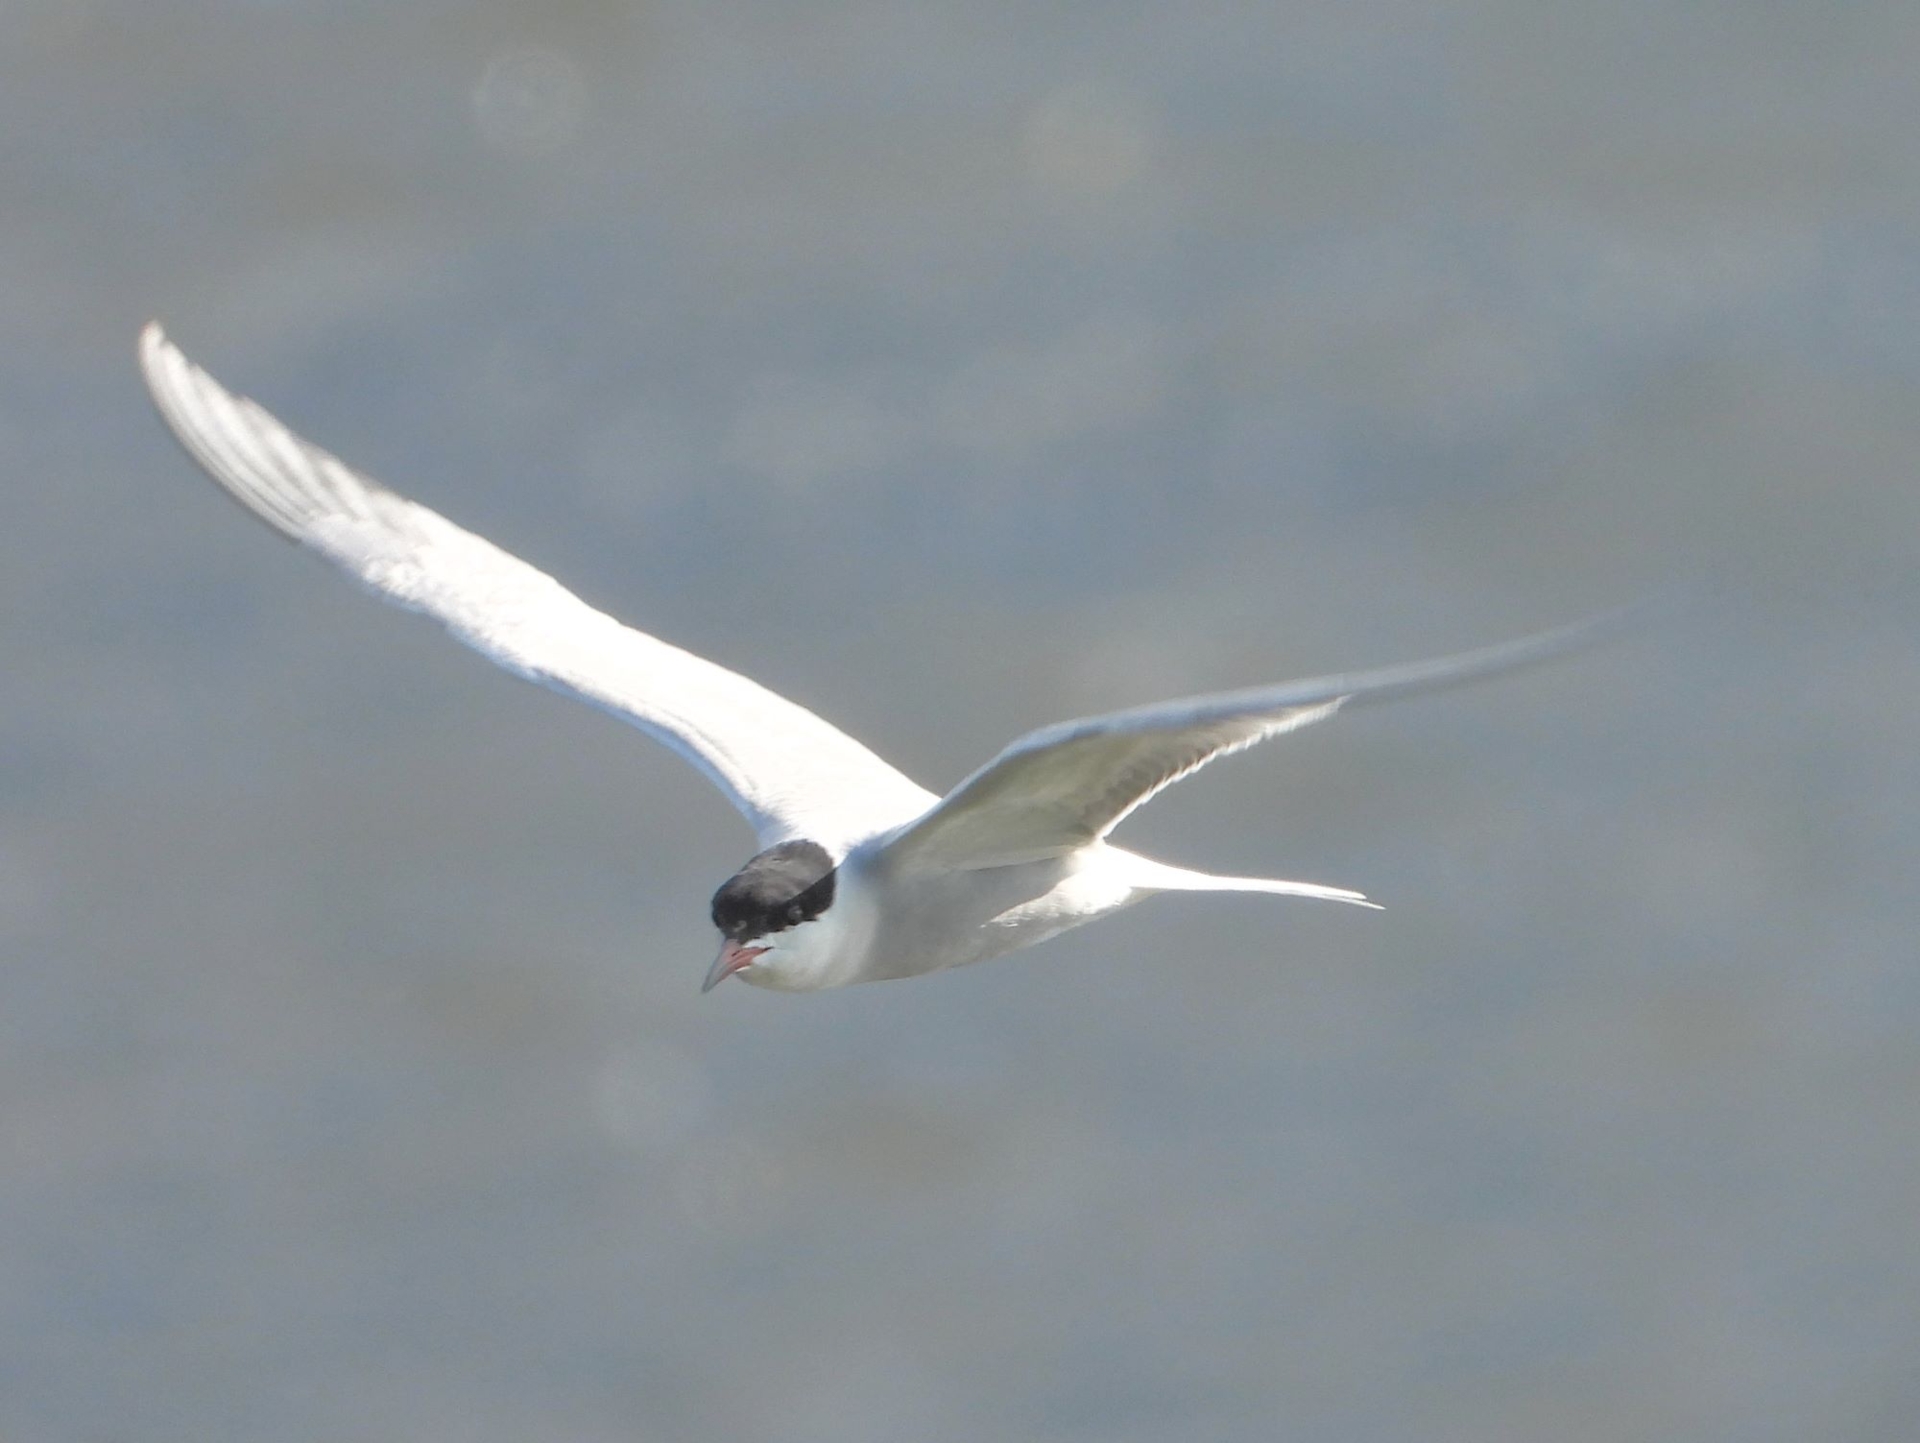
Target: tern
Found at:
x=862, y=875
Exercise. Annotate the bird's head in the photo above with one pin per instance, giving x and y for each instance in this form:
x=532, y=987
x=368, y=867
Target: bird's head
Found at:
x=774, y=917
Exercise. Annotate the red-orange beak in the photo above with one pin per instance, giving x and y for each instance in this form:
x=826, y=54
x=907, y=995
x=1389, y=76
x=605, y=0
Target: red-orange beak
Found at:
x=733, y=958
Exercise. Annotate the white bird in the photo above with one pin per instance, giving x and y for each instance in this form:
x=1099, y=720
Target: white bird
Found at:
x=862, y=875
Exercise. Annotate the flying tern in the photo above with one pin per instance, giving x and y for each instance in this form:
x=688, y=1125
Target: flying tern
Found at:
x=862, y=875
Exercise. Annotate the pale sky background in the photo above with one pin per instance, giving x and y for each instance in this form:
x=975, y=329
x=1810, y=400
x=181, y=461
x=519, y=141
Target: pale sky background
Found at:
x=956, y=368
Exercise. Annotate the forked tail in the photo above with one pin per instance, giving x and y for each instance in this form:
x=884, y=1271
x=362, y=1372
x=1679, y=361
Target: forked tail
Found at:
x=1151, y=876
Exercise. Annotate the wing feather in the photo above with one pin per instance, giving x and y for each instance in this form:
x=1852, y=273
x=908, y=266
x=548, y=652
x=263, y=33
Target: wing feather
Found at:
x=1068, y=785
x=790, y=773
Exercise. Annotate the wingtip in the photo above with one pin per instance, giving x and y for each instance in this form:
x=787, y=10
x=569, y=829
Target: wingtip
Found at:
x=154, y=350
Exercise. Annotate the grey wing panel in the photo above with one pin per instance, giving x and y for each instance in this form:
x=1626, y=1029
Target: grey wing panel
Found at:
x=1063, y=786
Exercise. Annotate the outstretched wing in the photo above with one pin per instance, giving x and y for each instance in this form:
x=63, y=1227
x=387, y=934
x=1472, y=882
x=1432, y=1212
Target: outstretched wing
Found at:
x=1067, y=785
x=789, y=772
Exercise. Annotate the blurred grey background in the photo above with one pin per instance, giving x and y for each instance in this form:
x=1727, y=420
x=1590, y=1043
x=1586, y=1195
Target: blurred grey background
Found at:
x=956, y=368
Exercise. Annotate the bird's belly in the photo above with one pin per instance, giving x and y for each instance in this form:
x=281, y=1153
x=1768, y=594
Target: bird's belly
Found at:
x=952, y=919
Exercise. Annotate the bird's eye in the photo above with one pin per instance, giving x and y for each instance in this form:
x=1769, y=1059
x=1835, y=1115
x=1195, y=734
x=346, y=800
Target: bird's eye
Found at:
x=795, y=913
